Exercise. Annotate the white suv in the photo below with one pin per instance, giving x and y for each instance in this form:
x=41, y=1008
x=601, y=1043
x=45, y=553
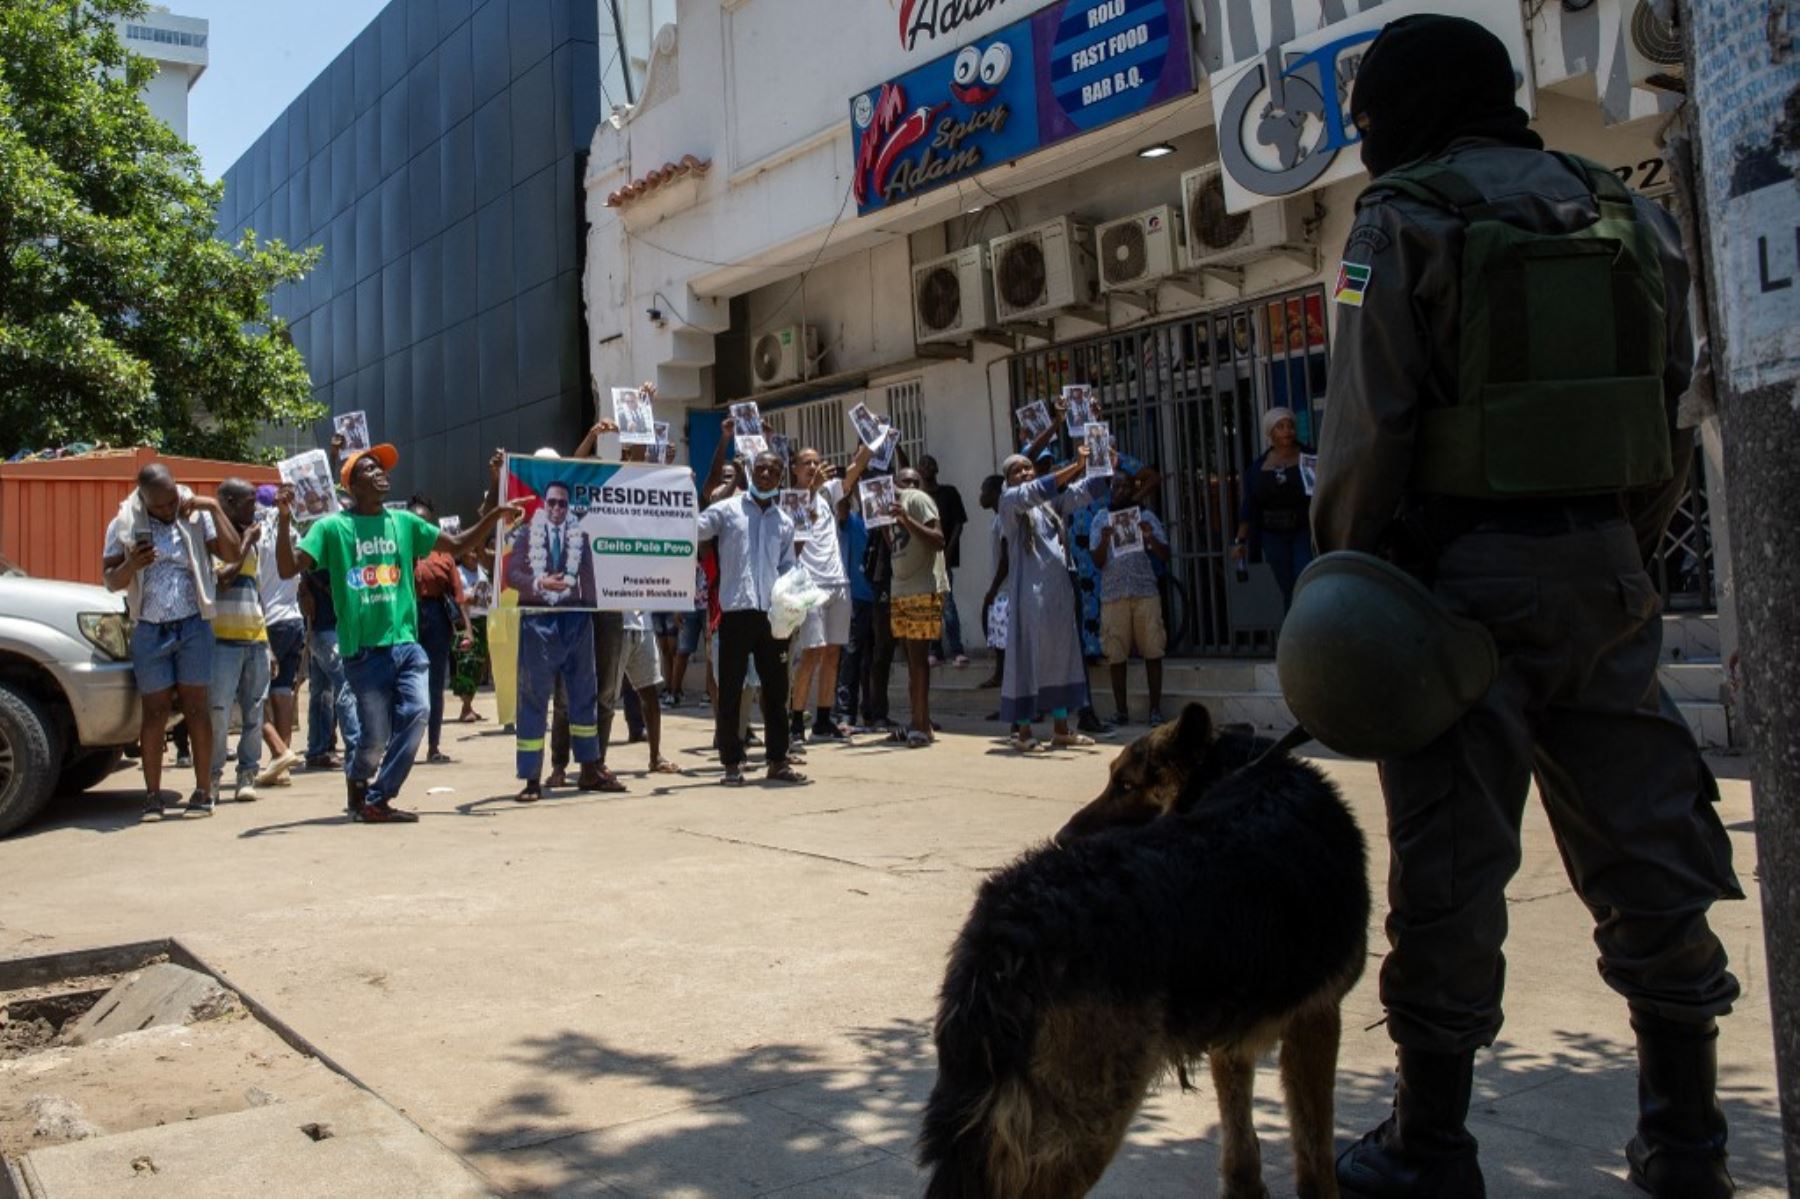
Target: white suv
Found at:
x=68, y=700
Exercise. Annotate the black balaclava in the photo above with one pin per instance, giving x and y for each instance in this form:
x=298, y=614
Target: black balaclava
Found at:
x=1427, y=80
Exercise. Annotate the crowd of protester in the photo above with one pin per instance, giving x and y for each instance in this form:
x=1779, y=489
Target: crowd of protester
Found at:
x=383, y=609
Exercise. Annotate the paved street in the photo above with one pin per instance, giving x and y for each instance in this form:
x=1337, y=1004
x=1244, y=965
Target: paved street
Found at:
x=695, y=991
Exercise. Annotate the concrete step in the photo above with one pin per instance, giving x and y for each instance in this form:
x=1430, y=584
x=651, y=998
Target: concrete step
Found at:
x=1248, y=692
x=1691, y=637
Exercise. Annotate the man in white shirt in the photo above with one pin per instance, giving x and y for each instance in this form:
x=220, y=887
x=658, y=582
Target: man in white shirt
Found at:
x=755, y=547
x=820, y=639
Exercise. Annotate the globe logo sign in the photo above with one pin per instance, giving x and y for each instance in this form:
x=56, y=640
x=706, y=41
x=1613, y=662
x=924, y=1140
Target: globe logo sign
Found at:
x=1283, y=124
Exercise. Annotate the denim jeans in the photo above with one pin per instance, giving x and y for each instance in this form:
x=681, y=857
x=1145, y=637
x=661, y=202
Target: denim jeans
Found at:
x=950, y=645
x=390, y=682
x=438, y=638
x=1287, y=555
x=240, y=678
x=332, y=700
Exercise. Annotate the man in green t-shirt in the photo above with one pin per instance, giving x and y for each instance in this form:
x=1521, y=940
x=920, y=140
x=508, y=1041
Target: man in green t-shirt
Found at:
x=917, y=593
x=368, y=552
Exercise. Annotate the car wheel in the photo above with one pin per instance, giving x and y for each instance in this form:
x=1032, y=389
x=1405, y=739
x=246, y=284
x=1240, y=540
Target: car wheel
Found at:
x=30, y=752
x=88, y=770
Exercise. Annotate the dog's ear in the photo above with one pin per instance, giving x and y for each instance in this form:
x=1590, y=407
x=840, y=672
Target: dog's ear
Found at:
x=1194, y=730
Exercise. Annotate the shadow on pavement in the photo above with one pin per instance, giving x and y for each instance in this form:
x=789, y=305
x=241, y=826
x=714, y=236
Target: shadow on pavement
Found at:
x=783, y=1119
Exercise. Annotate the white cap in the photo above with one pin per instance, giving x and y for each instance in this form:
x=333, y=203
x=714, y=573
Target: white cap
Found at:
x=546, y=452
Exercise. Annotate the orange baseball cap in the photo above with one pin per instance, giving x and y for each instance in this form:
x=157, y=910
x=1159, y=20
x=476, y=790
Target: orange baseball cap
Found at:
x=385, y=454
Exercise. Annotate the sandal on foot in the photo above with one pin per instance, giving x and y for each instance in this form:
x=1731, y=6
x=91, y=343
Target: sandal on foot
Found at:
x=531, y=792
x=783, y=772
x=917, y=740
x=598, y=780
x=1071, y=741
x=1027, y=745
x=733, y=778
x=664, y=766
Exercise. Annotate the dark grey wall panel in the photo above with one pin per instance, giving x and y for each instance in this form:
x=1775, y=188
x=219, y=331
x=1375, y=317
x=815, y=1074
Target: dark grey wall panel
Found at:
x=494, y=254
x=493, y=149
x=457, y=292
x=491, y=56
x=456, y=173
x=437, y=163
x=534, y=230
x=533, y=137
x=528, y=33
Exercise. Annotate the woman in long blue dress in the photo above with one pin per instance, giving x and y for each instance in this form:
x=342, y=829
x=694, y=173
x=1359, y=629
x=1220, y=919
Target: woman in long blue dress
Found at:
x=1046, y=675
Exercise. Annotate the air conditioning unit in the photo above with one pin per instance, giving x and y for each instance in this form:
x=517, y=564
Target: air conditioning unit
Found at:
x=952, y=296
x=1216, y=237
x=1044, y=269
x=1139, y=250
x=783, y=356
x=1653, y=49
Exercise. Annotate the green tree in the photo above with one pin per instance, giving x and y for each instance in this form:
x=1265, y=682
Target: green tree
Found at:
x=123, y=318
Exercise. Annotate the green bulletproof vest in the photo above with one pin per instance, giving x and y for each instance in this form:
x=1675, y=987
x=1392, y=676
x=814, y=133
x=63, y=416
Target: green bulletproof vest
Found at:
x=1560, y=388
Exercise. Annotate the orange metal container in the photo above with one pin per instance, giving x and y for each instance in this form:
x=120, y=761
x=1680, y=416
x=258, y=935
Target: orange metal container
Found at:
x=53, y=515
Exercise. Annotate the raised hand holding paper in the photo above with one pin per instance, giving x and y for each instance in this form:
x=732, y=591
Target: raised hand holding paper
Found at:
x=310, y=476
x=869, y=427
x=883, y=458
x=1098, y=439
x=798, y=505
x=1080, y=411
x=1034, y=418
x=747, y=429
x=633, y=413
x=879, y=495
x=353, y=427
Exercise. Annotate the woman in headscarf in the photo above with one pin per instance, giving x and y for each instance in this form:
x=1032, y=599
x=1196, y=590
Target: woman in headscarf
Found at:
x=1275, y=522
x=1045, y=675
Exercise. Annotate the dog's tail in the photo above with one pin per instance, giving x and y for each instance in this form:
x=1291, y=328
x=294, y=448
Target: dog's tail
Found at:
x=977, y=1126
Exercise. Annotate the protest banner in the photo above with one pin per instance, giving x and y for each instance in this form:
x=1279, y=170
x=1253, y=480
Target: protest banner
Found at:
x=598, y=536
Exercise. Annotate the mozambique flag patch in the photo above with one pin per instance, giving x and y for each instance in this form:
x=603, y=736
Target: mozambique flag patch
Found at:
x=1352, y=282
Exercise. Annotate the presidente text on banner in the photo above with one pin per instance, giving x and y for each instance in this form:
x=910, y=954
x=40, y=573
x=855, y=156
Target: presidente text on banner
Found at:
x=598, y=536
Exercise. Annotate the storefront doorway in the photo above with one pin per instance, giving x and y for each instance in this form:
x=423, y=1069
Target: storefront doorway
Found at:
x=1187, y=398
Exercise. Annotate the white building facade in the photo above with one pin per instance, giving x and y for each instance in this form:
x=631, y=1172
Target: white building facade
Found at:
x=762, y=228
x=177, y=45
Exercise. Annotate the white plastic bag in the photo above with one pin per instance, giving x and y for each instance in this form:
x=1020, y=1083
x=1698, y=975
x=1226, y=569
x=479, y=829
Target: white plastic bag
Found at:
x=795, y=595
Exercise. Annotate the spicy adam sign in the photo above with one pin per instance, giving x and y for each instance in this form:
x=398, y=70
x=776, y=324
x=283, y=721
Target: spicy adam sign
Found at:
x=1074, y=66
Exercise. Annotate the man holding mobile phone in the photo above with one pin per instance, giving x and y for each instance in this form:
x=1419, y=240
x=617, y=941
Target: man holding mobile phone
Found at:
x=159, y=552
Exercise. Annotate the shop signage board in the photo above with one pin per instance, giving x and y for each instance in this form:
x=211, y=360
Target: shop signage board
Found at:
x=1072, y=67
x=1283, y=119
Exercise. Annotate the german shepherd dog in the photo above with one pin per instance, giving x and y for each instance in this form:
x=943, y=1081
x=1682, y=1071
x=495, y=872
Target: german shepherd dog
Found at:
x=1207, y=903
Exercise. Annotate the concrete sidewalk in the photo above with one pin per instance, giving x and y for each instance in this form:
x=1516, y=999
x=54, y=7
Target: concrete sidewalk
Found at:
x=690, y=990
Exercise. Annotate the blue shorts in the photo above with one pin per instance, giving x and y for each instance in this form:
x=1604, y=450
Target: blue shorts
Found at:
x=287, y=641
x=665, y=624
x=175, y=653
x=693, y=624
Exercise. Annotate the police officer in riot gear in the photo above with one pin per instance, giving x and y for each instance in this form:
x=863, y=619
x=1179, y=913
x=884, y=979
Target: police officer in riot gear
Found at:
x=1511, y=341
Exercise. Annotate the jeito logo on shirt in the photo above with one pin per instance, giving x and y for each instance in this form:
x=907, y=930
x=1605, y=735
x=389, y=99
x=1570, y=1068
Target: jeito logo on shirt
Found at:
x=376, y=546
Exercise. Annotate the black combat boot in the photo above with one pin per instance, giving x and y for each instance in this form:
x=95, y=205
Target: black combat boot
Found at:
x=1423, y=1150
x=1679, y=1149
